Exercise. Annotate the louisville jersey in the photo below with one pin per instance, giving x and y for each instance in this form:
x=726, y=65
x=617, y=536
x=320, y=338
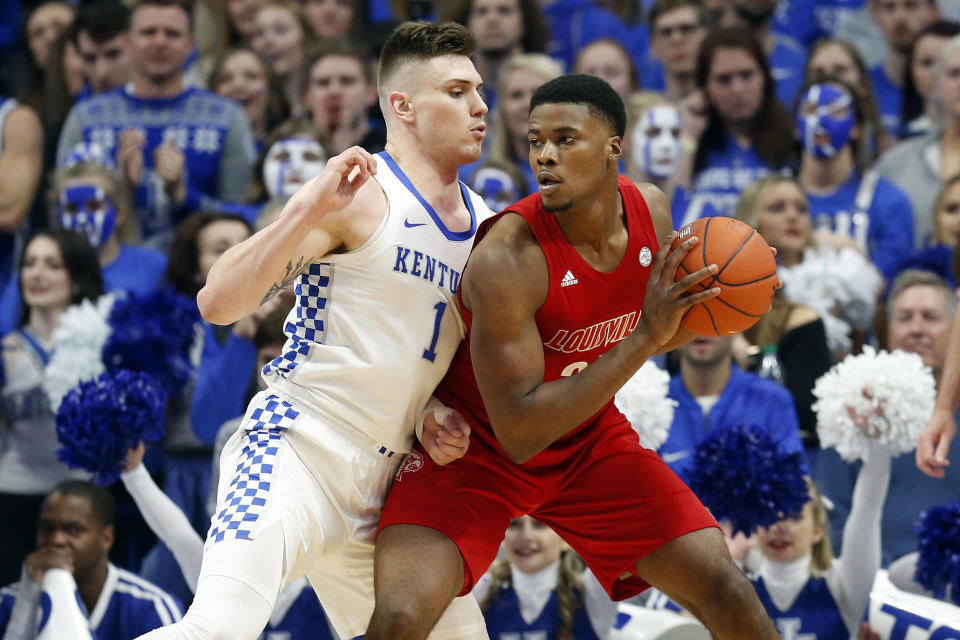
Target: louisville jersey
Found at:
x=373, y=329
x=585, y=314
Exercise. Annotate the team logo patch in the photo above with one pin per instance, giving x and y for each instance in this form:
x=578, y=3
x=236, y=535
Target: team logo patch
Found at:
x=646, y=257
x=411, y=464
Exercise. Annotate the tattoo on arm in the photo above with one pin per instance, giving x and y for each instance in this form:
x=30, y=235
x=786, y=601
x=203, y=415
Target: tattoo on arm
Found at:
x=291, y=274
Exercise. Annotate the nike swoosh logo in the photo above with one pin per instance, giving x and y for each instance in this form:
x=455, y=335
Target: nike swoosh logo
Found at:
x=673, y=457
x=410, y=225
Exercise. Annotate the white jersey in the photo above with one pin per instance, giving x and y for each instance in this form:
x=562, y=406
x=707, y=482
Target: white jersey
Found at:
x=373, y=330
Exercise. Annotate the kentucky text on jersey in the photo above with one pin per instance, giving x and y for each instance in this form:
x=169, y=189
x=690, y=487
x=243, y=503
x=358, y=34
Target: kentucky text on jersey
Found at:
x=596, y=335
x=427, y=267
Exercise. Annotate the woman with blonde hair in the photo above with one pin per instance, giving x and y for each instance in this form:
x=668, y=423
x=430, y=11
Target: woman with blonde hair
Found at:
x=519, y=78
x=540, y=587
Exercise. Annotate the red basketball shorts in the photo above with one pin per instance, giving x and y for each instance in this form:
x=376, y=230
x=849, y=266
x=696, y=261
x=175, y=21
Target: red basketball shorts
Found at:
x=612, y=500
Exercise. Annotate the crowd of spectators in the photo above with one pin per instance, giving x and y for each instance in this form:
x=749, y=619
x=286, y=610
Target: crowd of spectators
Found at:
x=140, y=140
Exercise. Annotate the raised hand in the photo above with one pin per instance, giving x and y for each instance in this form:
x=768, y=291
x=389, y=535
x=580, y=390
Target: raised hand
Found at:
x=169, y=163
x=338, y=183
x=130, y=155
x=666, y=300
x=44, y=558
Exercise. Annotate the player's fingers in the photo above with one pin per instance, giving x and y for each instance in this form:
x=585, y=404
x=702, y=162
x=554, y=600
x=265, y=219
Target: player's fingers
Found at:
x=940, y=454
x=684, y=283
x=697, y=298
x=676, y=257
x=453, y=452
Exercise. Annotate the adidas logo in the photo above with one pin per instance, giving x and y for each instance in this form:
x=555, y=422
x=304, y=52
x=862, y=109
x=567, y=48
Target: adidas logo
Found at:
x=568, y=279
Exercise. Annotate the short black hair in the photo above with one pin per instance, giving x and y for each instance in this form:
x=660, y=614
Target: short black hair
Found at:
x=594, y=93
x=101, y=20
x=101, y=502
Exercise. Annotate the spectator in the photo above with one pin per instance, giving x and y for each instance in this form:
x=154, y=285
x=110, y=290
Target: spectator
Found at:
x=920, y=165
x=742, y=131
x=46, y=21
x=508, y=144
x=340, y=89
x=610, y=61
x=828, y=274
x=833, y=58
x=75, y=532
x=900, y=21
x=915, y=112
x=677, y=27
x=540, y=588
x=282, y=37
x=21, y=161
x=920, y=314
x=576, y=23
x=99, y=33
x=714, y=393
x=333, y=18
x=846, y=197
x=293, y=154
x=177, y=147
x=243, y=76
x=502, y=29
x=653, y=149
x=774, y=205
x=242, y=20
x=786, y=56
x=499, y=184
x=57, y=269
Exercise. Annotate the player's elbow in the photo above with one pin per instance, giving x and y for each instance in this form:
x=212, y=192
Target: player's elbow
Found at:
x=517, y=448
x=212, y=308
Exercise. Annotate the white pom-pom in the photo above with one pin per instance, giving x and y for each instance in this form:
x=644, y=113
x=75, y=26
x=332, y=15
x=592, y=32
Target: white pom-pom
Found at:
x=895, y=392
x=77, y=347
x=643, y=400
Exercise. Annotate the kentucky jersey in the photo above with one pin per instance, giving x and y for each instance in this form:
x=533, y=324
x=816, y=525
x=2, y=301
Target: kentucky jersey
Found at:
x=505, y=622
x=814, y=615
x=373, y=329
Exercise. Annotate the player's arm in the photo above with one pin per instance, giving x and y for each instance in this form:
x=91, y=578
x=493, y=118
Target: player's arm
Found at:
x=21, y=165
x=526, y=413
x=933, y=445
x=659, y=207
x=322, y=216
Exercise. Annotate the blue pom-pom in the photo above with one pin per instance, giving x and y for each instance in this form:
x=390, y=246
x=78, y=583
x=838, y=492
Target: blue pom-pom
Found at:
x=100, y=420
x=938, y=564
x=153, y=334
x=741, y=475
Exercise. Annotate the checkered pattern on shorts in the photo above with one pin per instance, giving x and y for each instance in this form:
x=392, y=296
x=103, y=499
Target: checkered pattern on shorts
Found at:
x=251, y=481
x=307, y=330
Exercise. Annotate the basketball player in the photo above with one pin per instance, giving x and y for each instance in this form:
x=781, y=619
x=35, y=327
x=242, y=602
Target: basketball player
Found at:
x=376, y=264
x=546, y=438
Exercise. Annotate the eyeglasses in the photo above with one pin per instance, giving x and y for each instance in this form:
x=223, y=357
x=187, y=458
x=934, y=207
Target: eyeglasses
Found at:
x=683, y=30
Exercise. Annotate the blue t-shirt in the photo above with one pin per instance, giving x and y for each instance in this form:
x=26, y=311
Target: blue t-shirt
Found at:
x=889, y=218
x=889, y=99
x=807, y=22
x=786, y=66
x=576, y=23
x=729, y=170
x=814, y=615
x=127, y=608
x=747, y=399
x=504, y=621
x=212, y=133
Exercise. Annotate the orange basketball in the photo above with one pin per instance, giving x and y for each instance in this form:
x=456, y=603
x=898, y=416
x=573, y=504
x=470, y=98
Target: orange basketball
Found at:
x=746, y=275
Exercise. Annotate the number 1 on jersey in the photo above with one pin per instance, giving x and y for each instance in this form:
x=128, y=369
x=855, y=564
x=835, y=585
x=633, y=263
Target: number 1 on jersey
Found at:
x=429, y=352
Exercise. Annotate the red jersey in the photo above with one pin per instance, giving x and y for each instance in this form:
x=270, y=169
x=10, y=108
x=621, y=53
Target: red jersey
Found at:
x=585, y=314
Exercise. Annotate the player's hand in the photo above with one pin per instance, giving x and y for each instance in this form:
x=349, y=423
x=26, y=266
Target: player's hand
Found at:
x=130, y=155
x=44, y=558
x=933, y=444
x=694, y=110
x=134, y=457
x=338, y=183
x=866, y=633
x=666, y=300
x=447, y=439
x=169, y=163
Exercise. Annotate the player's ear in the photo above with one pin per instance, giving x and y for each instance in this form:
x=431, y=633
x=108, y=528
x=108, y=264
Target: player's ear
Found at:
x=615, y=145
x=400, y=105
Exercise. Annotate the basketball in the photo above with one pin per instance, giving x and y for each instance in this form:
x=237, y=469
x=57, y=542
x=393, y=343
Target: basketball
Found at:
x=746, y=275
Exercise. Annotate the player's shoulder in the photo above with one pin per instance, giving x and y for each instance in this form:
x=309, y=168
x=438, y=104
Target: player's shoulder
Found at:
x=658, y=205
x=508, y=250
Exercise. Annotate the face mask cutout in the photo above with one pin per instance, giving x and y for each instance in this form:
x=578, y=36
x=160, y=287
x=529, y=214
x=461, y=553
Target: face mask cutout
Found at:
x=87, y=210
x=496, y=187
x=825, y=120
x=656, y=147
x=290, y=163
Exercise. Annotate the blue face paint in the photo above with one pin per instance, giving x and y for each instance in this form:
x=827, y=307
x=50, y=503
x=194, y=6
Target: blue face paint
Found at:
x=824, y=120
x=496, y=187
x=87, y=210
